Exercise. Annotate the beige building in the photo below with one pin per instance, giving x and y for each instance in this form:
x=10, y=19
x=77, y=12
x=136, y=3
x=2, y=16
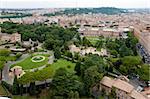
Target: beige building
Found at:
x=12, y=38
x=96, y=31
x=83, y=50
x=123, y=89
x=143, y=36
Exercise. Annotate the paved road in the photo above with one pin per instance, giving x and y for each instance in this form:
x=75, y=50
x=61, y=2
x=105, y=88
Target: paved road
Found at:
x=143, y=53
x=5, y=72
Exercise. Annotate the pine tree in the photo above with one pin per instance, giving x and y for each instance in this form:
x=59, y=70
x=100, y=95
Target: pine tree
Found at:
x=32, y=88
x=15, y=87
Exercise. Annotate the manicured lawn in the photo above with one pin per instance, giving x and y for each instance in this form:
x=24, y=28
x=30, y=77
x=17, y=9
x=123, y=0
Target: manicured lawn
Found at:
x=62, y=63
x=93, y=40
x=47, y=72
x=28, y=64
x=2, y=91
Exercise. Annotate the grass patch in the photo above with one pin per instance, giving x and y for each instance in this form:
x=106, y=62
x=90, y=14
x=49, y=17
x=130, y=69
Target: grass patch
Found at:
x=47, y=72
x=93, y=39
x=28, y=64
x=62, y=63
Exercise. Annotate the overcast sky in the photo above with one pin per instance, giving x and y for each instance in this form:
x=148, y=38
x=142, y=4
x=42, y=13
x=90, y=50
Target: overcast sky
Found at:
x=74, y=3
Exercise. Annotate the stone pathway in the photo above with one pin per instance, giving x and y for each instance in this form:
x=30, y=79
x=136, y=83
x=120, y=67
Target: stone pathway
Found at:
x=9, y=79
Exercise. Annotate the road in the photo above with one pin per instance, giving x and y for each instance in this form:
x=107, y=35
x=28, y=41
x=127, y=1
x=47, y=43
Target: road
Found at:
x=5, y=72
x=143, y=53
x=9, y=79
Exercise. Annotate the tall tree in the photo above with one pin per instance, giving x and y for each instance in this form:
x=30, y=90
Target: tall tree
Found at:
x=15, y=87
x=78, y=68
x=57, y=53
x=63, y=83
x=32, y=88
x=91, y=77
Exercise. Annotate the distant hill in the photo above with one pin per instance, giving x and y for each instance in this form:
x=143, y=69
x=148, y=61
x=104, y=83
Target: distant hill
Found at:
x=103, y=10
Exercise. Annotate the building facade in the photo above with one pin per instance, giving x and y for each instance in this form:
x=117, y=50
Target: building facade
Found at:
x=123, y=89
x=12, y=38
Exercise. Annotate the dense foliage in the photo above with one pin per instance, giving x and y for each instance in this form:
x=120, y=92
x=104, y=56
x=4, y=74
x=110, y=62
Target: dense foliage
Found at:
x=16, y=16
x=4, y=56
x=103, y=10
x=65, y=84
x=39, y=75
x=51, y=36
x=119, y=47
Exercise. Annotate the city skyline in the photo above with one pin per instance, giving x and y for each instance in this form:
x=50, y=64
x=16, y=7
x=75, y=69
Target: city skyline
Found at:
x=74, y=3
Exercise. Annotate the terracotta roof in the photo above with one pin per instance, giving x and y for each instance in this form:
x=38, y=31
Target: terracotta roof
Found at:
x=137, y=95
x=119, y=84
x=107, y=81
x=122, y=85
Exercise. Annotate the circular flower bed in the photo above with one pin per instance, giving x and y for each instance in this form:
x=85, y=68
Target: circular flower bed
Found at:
x=38, y=58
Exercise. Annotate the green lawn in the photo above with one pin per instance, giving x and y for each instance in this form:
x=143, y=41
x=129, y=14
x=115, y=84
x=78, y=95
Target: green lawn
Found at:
x=47, y=72
x=28, y=64
x=62, y=63
x=93, y=39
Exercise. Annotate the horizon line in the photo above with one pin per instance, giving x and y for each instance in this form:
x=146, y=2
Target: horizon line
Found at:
x=76, y=7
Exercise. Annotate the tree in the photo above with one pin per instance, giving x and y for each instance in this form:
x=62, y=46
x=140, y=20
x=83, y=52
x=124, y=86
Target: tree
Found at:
x=4, y=52
x=49, y=44
x=124, y=51
x=57, y=53
x=113, y=93
x=32, y=88
x=129, y=64
x=114, y=53
x=143, y=72
x=86, y=42
x=63, y=83
x=93, y=60
x=73, y=95
x=76, y=56
x=99, y=44
x=91, y=77
x=1, y=68
x=131, y=42
x=21, y=89
x=18, y=55
x=15, y=87
x=69, y=54
x=78, y=68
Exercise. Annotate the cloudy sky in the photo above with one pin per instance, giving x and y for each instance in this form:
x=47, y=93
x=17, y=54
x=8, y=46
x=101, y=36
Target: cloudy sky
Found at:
x=74, y=3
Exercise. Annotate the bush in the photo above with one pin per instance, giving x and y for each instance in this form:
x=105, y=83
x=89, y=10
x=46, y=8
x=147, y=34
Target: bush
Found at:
x=68, y=66
x=39, y=75
x=8, y=86
x=4, y=52
x=18, y=55
x=55, y=60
